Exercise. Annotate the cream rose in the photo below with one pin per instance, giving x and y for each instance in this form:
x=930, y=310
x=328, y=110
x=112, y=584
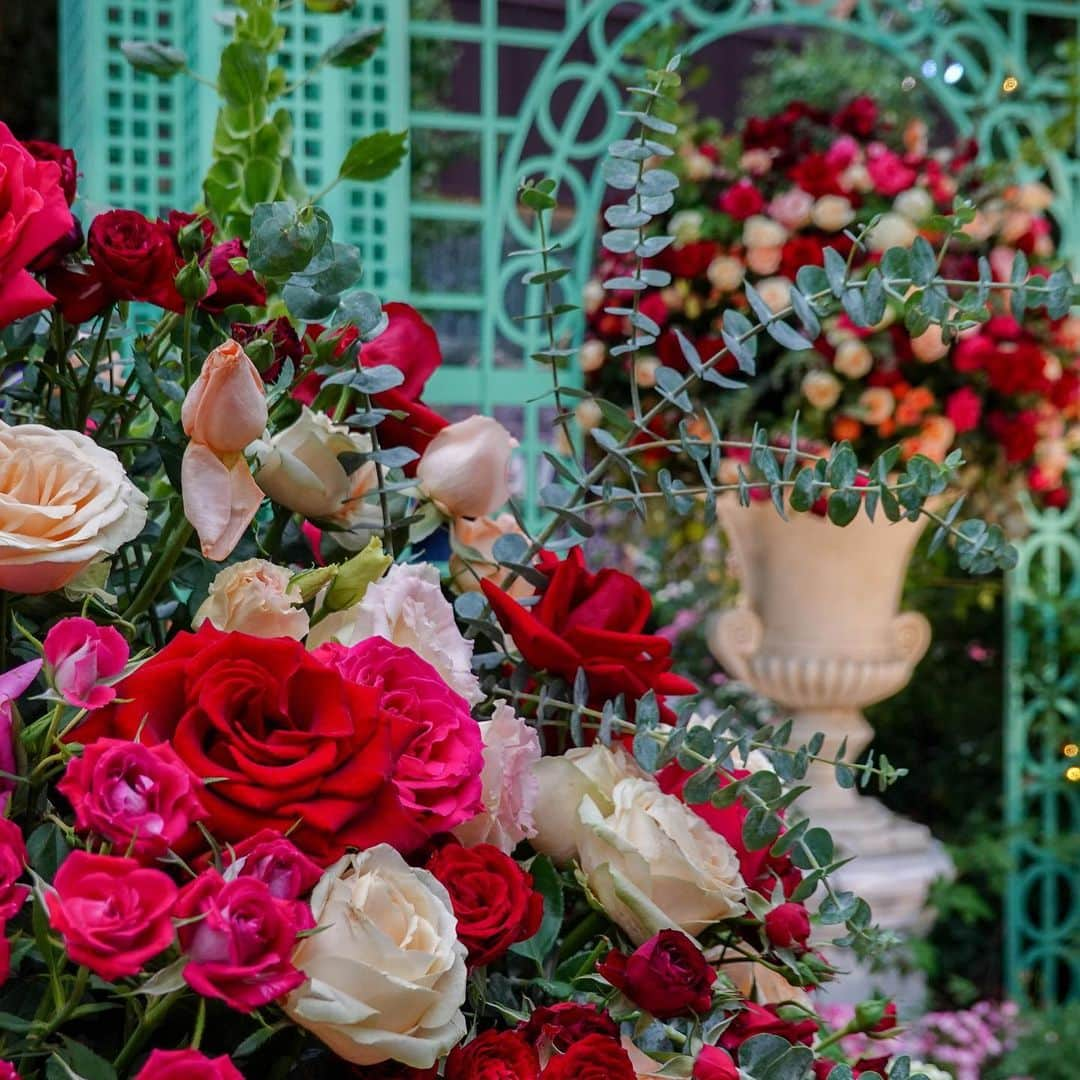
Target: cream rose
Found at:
x=891, y=230
x=511, y=788
x=592, y=356
x=776, y=292
x=760, y=231
x=821, y=389
x=464, y=469
x=852, y=358
x=654, y=864
x=764, y=260
x=832, y=213
x=480, y=535
x=408, y=608
x=254, y=597
x=726, y=273
x=916, y=204
x=386, y=973
x=64, y=502
x=698, y=167
x=685, y=226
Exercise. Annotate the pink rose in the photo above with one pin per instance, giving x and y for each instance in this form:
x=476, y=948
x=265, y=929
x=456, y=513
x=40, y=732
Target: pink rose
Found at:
x=964, y=408
x=437, y=747
x=277, y=862
x=35, y=216
x=187, y=1065
x=80, y=656
x=7, y=1071
x=792, y=208
x=12, y=863
x=887, y=170
x=138, y=797
x=715, y=1064
x=112, y=913
x=13, y=684
x=464, y=469
x=240, y=949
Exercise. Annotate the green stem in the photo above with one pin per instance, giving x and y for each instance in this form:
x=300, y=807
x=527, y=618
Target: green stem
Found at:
x=200, y=1025
x=272, y=540
x=188, y=374
x=384, y=502
x=175, y=536
x=151, y=1020
x=87, y=387
x=70, y=1005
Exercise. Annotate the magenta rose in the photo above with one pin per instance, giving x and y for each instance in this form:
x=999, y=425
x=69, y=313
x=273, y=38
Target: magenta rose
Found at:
x=13, y=684
x=138, y=797
x=8, y=1071
x=35, y=216
x=436, y=743
x=239, y=945
x=80, y=657
x=271, y=858
x=187, y=1065
x=65, y=158
x=112, y=913
x=715, y=1064
x=12, y=863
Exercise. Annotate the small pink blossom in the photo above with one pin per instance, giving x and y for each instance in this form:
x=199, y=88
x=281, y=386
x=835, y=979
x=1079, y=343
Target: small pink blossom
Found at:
x=80, y=657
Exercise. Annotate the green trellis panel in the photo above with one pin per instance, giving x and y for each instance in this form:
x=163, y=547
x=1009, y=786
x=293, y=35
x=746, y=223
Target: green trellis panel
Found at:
x=143, y=144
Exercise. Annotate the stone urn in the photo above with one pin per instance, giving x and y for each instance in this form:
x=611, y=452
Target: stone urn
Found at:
x=818, y=630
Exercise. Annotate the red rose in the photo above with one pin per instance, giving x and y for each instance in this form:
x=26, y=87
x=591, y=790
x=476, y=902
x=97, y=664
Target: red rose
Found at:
x=788, y=926
x=1017, y=433
x=858, y=116
x=292, y=739
x=5, y=969
x=714, y=1064
x=594, y=622
x=437, y=747
x=558, y=1027
x=493, y=898
x=596, y=1057
x=1015, y=368
x=964, y=408
x=801, y=250
x=1065, y=392
x=79, y=290
x=817, y=175
x=229, y=286
x=494, y=1055
x=741, y=200
x=688, y=260
x=667, y=976
x=137, y=259
x=69, y=170
x=13, y=860
x=754, y=1020
x=187, y=1065
x=240, y=948
x=112, y=913
x=142, y=799
x=35, y=217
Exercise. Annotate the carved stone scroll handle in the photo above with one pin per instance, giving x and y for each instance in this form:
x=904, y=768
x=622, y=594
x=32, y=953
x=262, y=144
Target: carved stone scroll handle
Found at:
x=734, y=637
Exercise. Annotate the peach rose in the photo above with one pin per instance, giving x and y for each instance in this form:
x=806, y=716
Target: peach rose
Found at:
x=776, y=292
x=821, y=389
x=929, y=345
x=891, y=230
x=464, y=469
x=698, y=167
x=832, y=213
x=877, y=404
x=64, y=503
x=1034, y=197
x=480, y=535
x=761, y=231
x=225, y=409
x=254, y=597
x=853, y=359
x=726, y=273
x=764, y=260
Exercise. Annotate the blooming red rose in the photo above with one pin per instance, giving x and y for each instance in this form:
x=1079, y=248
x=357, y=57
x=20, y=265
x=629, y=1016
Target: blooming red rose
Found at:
x=558, y=1027
x=35, y=216
x=13, y=861
x=393, y=1070
x=596, y=1057
x=593, y=622
x=787, y=926
x=964, y=408
x=687, y=260
x=801, y=250
x=817, y=175
x=667, y=976
x=858, y=117
x=240, y=948
x=712, y=1063
x=112, y=913
x=438, y=752
x=494, y=1055
x=135, y=258
x=292, y=739
x=741, y=200
x=764, y=1020
x=139, y=798
x=187, y=1065
x=79, y=290
x=229, y=286
x=65, y=158
x=1018, y=368
x=493, y=898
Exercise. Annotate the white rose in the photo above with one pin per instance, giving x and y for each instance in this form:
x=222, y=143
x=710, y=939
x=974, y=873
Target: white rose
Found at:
x=592, y=356
x=64, y=503
x=916, y=204
x=464, y=468
x=764, y=260
x=776, y=292
x=698, y=167
x=511, y=788
x=593, y=296
x=299, y=468
x=726, y=273
x=386, y=973
x=891, y=230
x=685, y=226
x=407, y=607
x=853, y=359
x=654, y=864
x=856, y=177
x=821, y=389
x=832, y=213
x=253, y=597
x=761, y=231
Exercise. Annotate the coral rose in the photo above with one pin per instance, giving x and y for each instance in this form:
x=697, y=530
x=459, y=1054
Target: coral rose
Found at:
x=464, y=469
x=64, y=502
x=254, y=597
x=225, y=408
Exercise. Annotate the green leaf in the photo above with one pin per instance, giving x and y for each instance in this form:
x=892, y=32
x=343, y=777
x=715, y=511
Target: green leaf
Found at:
x=374, y=157
x=896, y=264
x=154, y=57
x=262, y=176
x=805, y=312
x=354, y=49
x=243, y=76
x=803, y=493
x=46, y=849
x=78, y=1061
x=770, y=1057
x=546, y=882
x=285, y=239
x=816, y=847
x=844, y=506
x=923, y=261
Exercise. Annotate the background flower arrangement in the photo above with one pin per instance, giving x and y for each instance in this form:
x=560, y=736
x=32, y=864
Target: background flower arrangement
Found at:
x=273, y=812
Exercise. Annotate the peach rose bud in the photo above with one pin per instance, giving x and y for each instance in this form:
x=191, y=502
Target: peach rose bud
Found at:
x=473, y=559
x=225, y=409
x=464, y=469
x=220, y=498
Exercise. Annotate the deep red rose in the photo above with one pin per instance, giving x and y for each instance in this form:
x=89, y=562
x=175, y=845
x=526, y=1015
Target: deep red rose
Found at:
x=112, y=913
x=229, y=286
x=494, y=1055
x=667, y=976
x=788, y=926
x=187, y=1065
x=558, y=1027
x=284, y=339
x=858, y=117
x=1016, y=432
x=291, y=738
x=493, y=898
x=79, y=290
x=13, y=860
x=1065, y=392
x=142, y=799
x=687, y=260
x=35, y=216
x=712, y=1063
x=741, y=200
x=596, y=1057
x=65, y=158
x=593, y=622
x=763, y=1020
x=801, y=250
x=817, y=175
x=1015, y=368
x=240, y=948
x=137, y=259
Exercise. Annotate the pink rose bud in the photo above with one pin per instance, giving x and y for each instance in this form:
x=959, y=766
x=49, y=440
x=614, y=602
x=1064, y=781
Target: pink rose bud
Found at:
x=715, y=1064
x=13, y=684
x=80, y=658
x=220, y=498
x=788, y=926
x=225, y=409
x=464, y=469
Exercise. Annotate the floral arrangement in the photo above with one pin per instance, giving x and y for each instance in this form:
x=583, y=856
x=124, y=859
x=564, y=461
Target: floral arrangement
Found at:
x=272, y=803
x=757, y=206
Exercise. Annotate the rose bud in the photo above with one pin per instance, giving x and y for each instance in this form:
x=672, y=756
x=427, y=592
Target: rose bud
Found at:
x=464, y=469
x=80, y=656
x=667, y=976
x=715, y=1064
x=187, y=1065
x=876, y=1017
x=788, y=926
x=220, y=497
x=225, y=409
x=231, y=287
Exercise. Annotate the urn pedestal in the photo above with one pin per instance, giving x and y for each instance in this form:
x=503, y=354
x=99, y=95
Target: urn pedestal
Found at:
x=818, y=630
